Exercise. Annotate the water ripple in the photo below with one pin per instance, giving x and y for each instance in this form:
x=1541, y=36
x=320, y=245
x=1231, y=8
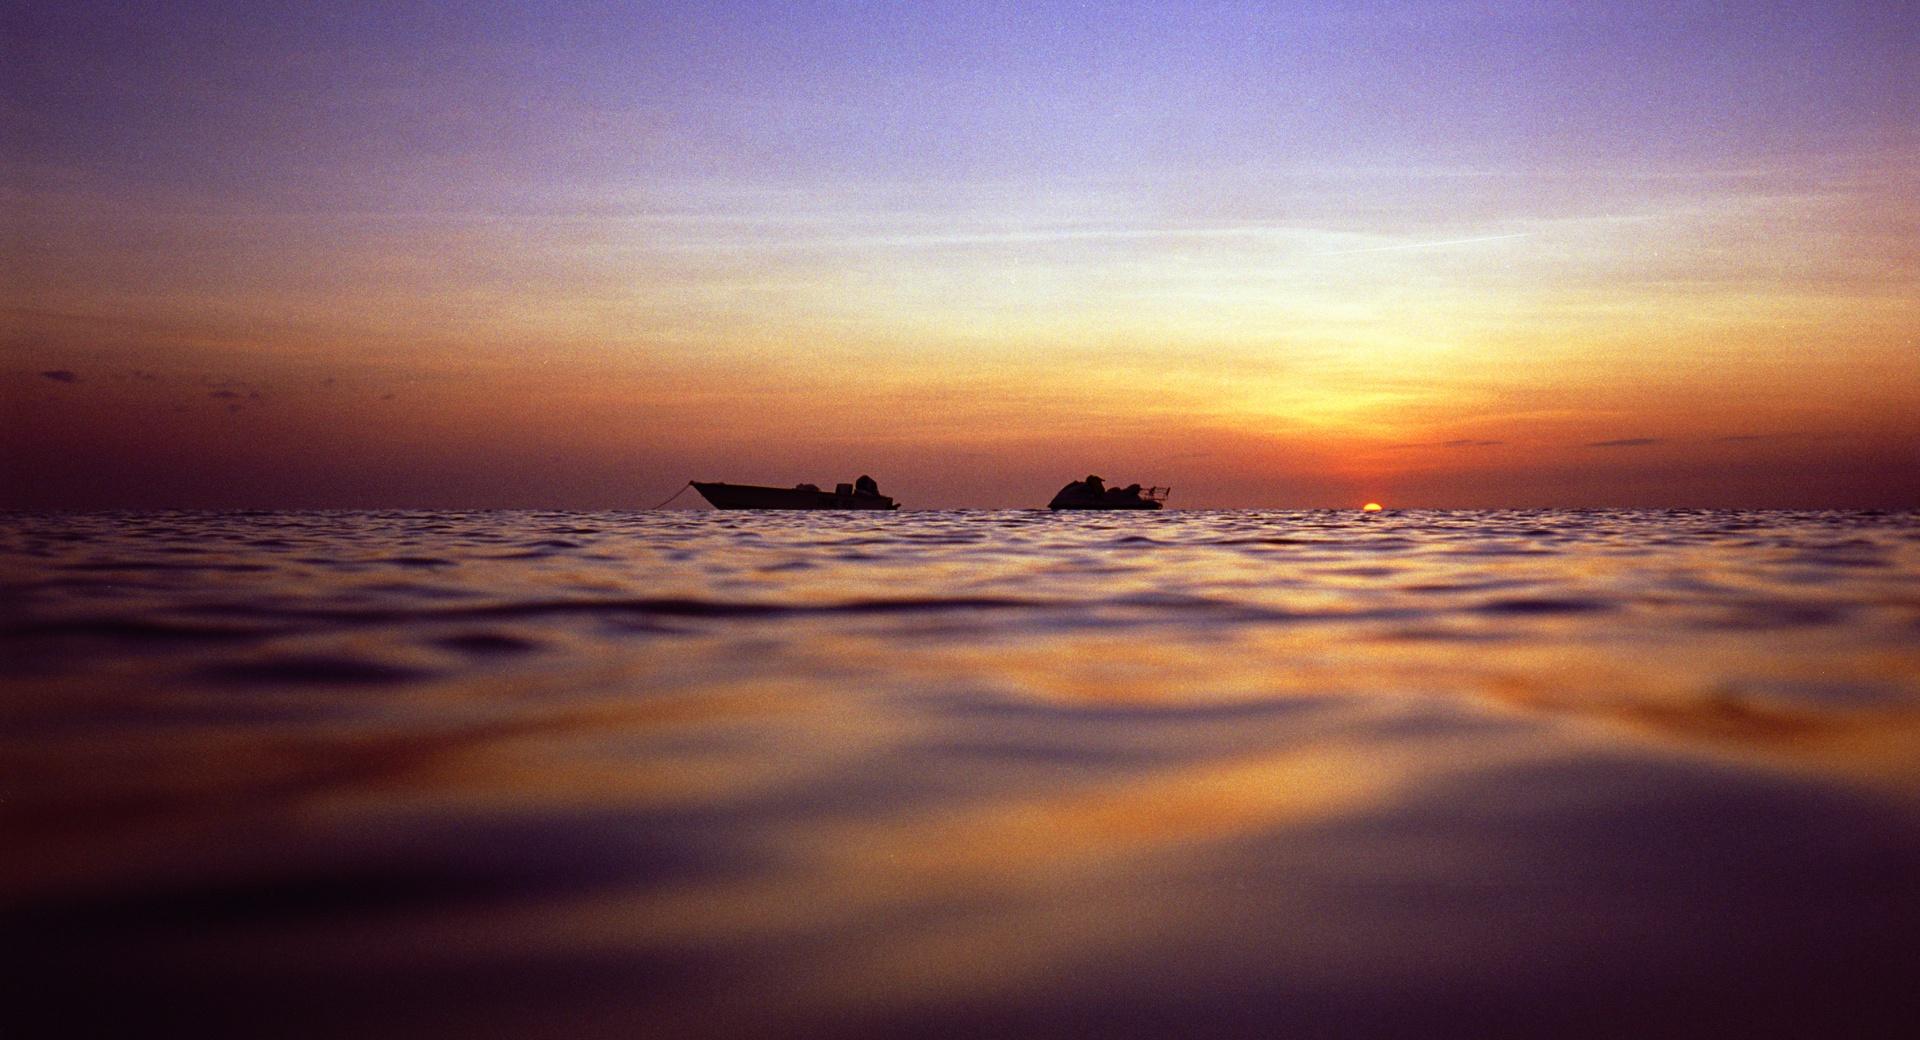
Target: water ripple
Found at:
x=1008, y=773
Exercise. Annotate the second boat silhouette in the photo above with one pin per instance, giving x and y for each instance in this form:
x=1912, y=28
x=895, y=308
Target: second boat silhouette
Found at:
x=1093, y=493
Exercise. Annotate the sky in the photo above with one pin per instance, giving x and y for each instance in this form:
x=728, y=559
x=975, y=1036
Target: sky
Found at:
x=571, y=255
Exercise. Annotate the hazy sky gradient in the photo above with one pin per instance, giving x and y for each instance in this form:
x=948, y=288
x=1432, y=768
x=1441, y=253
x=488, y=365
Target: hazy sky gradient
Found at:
x=572, y=255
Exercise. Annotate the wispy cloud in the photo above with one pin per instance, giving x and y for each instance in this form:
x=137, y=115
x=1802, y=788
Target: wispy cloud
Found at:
x=61, y=375
x=1791, y=435
x=1459, y=442
x=1784, y=436
x=1427, y=245
x=699, y=231
x=1625, y=442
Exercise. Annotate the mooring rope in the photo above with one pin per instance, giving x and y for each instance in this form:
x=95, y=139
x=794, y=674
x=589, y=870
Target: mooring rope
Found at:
x=676, y=494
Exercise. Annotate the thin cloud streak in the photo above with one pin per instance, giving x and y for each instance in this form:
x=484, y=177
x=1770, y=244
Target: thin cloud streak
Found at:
x=1460, y=442
x=1045, y=236
x=993, y=238
x=1428, y=245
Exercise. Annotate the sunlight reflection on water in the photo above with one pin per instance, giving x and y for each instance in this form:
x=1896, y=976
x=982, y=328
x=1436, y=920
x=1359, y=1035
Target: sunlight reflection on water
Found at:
x=852, y=774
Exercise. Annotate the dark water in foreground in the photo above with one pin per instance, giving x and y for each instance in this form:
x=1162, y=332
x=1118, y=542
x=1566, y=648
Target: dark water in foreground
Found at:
x=971, y=774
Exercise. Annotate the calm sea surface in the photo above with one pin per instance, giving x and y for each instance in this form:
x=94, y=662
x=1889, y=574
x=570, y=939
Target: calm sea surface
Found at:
x=970, y=774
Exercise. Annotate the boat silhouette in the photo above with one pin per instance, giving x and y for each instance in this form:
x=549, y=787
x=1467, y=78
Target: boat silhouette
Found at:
x=1093, y=493
x=861, y=494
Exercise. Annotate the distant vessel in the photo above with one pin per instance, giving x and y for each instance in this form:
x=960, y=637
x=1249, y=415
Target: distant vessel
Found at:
x=1093, y=493
x=861, y=494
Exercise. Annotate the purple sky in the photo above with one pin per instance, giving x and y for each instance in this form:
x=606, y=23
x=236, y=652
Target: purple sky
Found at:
x=1273, y=254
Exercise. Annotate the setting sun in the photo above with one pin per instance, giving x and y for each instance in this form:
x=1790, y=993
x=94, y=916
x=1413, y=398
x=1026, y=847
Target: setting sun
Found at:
x=1371, y=507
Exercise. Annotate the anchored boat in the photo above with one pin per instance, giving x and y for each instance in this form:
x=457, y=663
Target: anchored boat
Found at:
x=1093, y=493
x=861, y=494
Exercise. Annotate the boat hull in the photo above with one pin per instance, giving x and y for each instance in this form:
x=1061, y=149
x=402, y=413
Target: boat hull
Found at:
x=750, y=496
x=1096, y=506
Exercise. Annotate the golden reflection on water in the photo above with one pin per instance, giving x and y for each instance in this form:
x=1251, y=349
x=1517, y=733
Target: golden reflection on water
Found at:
x=720, y=775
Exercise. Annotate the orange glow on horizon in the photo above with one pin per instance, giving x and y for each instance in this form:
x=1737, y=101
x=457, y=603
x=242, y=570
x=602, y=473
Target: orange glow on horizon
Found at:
x=1480, y=318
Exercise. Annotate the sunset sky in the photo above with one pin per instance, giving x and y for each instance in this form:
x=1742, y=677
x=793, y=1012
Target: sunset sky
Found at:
x=1286, y=255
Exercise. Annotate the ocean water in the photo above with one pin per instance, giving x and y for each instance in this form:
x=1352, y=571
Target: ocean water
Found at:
x=696, y=773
